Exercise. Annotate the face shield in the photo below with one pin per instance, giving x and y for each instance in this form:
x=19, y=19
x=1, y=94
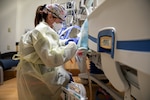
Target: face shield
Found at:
x=58, y=12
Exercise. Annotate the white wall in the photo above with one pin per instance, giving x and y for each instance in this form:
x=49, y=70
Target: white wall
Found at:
x=26, y=13
x=15, y=17
x=7, y=21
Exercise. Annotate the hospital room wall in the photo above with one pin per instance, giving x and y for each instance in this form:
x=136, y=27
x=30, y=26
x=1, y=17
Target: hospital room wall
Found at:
x=7, y=24
x=17, y=16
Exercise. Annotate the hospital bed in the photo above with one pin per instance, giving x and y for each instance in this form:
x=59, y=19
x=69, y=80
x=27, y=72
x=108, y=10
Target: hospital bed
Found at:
x=119, y=31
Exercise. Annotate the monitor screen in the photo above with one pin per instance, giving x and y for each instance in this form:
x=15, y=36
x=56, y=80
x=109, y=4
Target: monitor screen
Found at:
x=106, y=42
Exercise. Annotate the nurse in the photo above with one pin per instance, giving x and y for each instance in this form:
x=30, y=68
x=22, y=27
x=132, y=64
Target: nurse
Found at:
x=40, y=73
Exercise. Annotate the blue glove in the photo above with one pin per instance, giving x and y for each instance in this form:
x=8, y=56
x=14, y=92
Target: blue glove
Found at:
x=73, y=40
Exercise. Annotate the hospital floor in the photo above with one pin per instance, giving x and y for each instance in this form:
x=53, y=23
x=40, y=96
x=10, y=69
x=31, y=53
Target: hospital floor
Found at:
x=8, y=90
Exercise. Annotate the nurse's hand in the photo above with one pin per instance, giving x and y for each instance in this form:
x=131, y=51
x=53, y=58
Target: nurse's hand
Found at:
x=72, y=40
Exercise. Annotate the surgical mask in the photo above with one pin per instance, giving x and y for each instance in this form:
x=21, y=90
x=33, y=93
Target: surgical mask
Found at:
x=57, y=26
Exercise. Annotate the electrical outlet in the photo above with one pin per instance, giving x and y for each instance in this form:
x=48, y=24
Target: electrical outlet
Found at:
x=9, y=29
x=8, y=47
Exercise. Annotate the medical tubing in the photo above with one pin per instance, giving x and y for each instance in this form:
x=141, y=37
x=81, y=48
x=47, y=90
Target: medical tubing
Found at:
x=68, y=31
